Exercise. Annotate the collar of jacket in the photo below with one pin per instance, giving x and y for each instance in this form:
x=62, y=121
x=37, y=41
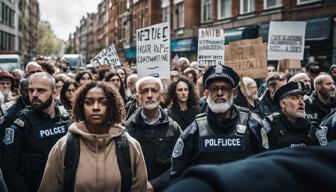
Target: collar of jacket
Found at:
x=226, y=126
x=138, y=120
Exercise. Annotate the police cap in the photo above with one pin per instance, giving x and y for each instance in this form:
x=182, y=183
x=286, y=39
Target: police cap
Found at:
x=220, y=72
x=291, y=88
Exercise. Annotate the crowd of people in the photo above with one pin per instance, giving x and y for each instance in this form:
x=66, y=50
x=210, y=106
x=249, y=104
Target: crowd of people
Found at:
x=107, y=129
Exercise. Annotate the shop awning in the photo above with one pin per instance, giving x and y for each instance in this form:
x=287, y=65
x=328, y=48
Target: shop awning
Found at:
x=130, y=54
x=182, y=45
x=246, y=32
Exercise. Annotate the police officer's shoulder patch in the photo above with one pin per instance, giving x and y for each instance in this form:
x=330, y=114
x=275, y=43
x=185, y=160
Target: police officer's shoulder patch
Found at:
x=9, y=135
x=321, y=135
x=19, y=123
x=178, y=149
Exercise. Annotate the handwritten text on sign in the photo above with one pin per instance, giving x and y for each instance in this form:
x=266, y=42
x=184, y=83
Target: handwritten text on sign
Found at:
x=153, y=51
x=106, y=56
x=210, y=46
x=286, y=40
x=247, y=60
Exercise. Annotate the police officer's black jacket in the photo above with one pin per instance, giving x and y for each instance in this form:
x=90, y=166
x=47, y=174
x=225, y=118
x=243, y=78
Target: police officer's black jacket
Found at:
x=183, y=118
x=306, y=169
x=157, y=143
x=27, y=143
x=277, y=132
x=316, y=110
x=267, y=106
x=10, y=115
x=214, y=141
x=329, y=122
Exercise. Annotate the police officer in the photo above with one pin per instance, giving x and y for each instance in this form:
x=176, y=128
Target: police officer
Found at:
x=322, y=100
x=28, y=140
x=155, y=131
x=289, y=128
x=220, y=135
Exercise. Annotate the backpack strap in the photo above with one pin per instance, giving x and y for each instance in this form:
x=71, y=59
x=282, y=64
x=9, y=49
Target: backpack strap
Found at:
x=124, y=162
x=71, y=160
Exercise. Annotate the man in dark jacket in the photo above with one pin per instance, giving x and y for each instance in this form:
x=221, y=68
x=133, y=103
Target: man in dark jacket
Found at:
x=273, y=82
x=28, y=141
x=288, y=169
x=322, y=100
x=222, y=134
x=155, y=131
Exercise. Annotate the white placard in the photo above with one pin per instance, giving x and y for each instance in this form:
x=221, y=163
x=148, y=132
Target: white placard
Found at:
x=210, y=46
x=106, y=56
x=286, y=40
x=153, y=51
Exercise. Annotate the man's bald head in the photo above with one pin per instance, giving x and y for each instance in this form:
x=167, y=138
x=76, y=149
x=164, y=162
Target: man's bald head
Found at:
x=33, y=67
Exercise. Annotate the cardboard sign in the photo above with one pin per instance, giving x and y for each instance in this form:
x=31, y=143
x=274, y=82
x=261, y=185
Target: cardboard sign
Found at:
x=106, y=56
x=286, y=40
x=289, y=64
x=153, y=51
x=210, y=46
x=246, y=42
x=247, y=60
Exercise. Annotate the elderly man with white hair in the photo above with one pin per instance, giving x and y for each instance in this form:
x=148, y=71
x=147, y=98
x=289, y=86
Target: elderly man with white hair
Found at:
x=155, y=131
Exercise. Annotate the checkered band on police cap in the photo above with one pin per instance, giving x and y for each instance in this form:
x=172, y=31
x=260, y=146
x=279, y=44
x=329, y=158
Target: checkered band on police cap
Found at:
x=291, y=88
x=220, y=72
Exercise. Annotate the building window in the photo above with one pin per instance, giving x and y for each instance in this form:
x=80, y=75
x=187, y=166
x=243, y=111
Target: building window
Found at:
x=306, y=1
x=165, y=14
x=179, y=16
x=206, y=10
x=165, y=10
x=247, y=6
x=272, y=3
x=224, y=8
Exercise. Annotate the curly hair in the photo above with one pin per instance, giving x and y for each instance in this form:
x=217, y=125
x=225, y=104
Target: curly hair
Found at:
x=122, y=86
x=65, y=101
x=115, y=109
x=79, y=75
x=171, y=93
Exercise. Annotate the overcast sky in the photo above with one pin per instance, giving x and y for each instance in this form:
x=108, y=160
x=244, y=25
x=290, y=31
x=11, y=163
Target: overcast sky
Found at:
x=64, y=15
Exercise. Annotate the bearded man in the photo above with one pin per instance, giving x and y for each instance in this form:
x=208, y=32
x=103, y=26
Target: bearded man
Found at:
x=28, y=141
x=322, y=101
x=220, y=135
x=154, y=130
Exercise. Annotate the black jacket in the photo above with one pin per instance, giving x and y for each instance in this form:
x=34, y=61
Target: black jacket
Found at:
x=27, y=143
x=305, y=169
x=183, y=118
x=316, y=110
x=157, y=143
x=189, y=151
x=267, y=106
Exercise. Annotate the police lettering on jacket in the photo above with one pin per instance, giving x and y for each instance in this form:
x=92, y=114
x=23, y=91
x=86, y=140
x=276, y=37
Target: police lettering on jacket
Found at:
x=221, y=143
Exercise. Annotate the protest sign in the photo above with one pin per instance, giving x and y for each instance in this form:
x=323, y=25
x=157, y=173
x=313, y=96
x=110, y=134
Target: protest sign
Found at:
x=153, y=51
x=210, y=46
x=247, y=60
x=286, y=40
x=288, y=64
x=246, y=42
x=106, y=56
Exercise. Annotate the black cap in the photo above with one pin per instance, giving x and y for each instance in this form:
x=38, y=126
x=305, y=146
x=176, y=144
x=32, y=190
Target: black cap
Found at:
x=291, y=88
x=220, y=72
x=311, y=63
